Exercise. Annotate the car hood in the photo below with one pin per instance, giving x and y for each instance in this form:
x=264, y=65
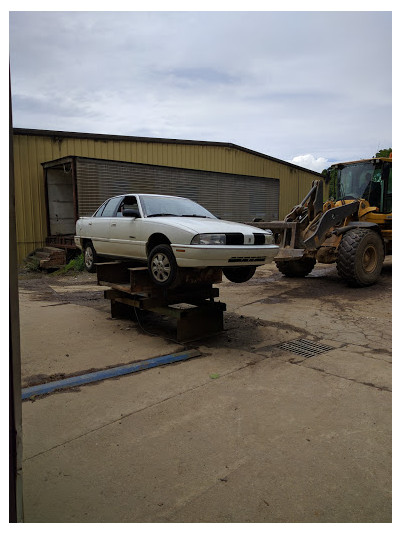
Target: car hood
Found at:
x=199, y=225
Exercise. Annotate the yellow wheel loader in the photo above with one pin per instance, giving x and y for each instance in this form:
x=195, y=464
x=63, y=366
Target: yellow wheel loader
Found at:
x=353, y=229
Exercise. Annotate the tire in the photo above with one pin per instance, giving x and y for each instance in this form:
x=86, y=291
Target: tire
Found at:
x=360, y=257
x=296, y=268
x=162, y=266
x=90, y=257
x=239, y=274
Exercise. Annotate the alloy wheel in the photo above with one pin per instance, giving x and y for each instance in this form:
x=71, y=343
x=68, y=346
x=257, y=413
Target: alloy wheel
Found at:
x=161, y=267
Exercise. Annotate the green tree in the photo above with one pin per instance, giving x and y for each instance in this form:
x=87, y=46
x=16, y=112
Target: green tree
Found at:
x=383, y=153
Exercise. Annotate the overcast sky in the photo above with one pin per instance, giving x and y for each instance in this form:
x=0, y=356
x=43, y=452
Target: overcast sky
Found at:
x=307, y=87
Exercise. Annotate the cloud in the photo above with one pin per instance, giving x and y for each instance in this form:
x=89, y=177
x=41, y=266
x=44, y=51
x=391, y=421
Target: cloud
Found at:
x=213, y=76
x=311, y=162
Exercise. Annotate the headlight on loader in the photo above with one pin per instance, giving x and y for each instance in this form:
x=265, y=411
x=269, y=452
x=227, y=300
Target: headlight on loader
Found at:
x=209, y=239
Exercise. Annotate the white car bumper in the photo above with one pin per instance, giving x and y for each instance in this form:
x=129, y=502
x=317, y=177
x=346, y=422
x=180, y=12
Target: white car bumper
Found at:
x=223, y=256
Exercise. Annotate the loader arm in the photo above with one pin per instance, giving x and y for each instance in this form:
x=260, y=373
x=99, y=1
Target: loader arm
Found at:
x=331, y=218
x=302, y=217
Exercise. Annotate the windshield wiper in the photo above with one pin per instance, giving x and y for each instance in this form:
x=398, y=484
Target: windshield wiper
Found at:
x=195, y=215
x=160, y=215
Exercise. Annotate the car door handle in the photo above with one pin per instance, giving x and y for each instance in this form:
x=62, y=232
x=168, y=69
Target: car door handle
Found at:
x=113, y=224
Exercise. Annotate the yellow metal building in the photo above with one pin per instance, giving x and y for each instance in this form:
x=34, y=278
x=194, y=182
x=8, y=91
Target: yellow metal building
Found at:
x=34, y=147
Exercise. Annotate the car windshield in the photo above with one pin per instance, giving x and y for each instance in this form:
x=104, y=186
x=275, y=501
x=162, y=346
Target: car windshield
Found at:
x=172, y=206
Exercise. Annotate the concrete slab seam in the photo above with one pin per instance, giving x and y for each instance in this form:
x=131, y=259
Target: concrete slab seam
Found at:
x=321, y=370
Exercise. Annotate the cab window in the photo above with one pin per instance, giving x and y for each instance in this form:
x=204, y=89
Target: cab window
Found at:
x=388, y=196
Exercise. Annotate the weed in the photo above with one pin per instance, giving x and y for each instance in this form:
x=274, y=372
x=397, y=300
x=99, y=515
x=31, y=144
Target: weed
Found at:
x=31, y=264
x=76, y=264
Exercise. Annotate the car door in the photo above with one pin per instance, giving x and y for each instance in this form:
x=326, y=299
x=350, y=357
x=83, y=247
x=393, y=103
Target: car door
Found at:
x=125, y=231
x=99, y=226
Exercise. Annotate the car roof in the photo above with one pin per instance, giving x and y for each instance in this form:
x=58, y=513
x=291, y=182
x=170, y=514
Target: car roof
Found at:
x=148, y=195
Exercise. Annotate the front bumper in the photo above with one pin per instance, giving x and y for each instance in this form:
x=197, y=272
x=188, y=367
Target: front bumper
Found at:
x=224, y=256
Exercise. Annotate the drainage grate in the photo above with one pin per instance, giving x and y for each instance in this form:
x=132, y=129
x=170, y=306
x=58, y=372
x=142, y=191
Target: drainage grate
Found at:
x=305, y=348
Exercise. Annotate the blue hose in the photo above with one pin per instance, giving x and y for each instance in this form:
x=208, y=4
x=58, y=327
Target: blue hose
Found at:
x=93, y=377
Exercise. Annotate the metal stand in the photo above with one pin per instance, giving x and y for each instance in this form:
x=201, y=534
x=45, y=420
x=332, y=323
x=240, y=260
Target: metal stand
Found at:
x=190, y=302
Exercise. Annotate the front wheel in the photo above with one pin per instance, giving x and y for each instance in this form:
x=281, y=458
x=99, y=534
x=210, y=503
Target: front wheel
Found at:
x=360, y=257
x=239, y=274
x=162, y=266
x=296, y=268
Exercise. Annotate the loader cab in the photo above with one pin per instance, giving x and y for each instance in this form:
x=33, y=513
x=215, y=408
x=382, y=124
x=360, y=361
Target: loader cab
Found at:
x=370, y=180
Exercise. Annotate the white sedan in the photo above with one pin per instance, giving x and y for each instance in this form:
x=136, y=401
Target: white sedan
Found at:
x=169, y=233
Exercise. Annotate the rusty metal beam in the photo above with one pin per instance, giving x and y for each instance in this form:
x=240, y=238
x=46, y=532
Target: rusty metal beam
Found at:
x=132, y=292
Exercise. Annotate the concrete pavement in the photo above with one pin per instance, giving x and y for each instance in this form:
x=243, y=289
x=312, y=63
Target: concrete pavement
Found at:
x=248, y=432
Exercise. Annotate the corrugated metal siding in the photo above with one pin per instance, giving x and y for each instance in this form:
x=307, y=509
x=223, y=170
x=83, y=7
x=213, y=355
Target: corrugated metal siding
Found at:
x=231, y=197
x=32, y=150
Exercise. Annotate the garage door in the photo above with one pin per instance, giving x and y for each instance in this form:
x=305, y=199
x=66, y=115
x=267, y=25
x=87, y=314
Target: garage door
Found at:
x=232, y=197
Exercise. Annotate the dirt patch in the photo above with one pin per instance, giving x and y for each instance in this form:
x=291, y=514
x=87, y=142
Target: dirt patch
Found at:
x=322, y=283
x=43, y=287
x=263, y=312
x=36, y=281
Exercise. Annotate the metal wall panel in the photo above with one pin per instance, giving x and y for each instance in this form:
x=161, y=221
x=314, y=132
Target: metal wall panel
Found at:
x=31, y=148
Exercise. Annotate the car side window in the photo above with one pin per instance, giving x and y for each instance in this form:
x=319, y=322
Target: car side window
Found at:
x=111, y=207
x=99, y=211
x=130, y=202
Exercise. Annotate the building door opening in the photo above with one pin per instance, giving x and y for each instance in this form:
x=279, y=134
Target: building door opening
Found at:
x=60, y=196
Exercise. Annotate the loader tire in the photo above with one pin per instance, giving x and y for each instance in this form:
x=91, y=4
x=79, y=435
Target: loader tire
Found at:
x=296, y=268
x=360, y=257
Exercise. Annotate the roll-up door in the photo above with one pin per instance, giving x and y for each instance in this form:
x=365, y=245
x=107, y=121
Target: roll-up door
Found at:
x=233, y=197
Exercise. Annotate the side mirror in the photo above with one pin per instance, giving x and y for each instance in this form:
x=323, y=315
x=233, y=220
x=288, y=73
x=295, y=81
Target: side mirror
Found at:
x=130, y=212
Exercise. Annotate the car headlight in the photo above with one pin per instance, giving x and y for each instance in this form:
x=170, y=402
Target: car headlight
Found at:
x=209, y=239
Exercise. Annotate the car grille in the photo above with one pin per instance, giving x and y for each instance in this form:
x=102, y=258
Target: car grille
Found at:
x=259, y=238
x=236, y=238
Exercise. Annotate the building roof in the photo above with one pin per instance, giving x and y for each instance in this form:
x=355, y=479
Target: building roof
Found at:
x=139, y=139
